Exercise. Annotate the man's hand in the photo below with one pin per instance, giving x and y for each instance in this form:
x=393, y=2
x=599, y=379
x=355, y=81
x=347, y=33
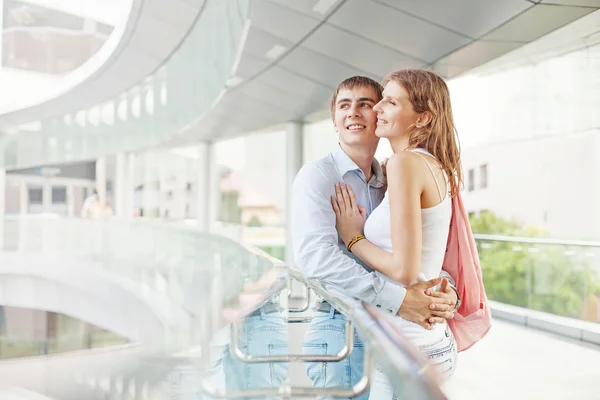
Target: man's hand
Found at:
x=427, y=309
x=384, y=166
x=446, y=292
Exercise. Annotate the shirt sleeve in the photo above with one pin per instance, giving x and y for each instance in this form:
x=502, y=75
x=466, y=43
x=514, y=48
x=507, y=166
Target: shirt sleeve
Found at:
x=316, y=251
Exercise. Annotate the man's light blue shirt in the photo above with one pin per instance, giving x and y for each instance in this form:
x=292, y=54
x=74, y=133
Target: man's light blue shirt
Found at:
x=318, y=251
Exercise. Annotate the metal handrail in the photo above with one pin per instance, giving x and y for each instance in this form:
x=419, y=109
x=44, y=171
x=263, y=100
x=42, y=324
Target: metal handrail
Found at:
x=354, y=311
x=304, y=306
x=531, y=240
x=320, y=291
x=287, y=391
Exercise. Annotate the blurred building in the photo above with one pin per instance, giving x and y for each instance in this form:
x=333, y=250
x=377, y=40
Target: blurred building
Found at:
x=49, y=40
x=535, y=144
x=550, y=183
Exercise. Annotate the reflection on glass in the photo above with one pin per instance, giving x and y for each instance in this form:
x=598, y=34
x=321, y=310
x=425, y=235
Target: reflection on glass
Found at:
x=27, y=333
x=553, y=278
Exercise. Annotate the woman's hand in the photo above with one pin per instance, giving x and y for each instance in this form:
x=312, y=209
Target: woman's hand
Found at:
x=350, y=217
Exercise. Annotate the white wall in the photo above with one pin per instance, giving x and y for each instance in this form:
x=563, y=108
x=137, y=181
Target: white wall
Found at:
x=551, y=183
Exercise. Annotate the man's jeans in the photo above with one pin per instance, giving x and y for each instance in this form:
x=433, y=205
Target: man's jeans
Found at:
x=264, y=334
x=327, y=335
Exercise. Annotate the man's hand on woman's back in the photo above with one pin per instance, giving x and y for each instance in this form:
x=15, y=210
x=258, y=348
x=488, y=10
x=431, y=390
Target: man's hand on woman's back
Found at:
x=425, y=306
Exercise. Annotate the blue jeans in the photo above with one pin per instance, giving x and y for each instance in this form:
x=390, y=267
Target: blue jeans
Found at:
x=264, y=334
x=327, y=335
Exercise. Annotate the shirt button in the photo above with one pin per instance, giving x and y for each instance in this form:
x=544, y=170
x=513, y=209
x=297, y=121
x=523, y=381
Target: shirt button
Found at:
x=378, y=305
x=391, y=311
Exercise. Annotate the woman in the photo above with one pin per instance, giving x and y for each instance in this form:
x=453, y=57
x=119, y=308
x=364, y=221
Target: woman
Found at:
x=405, y=237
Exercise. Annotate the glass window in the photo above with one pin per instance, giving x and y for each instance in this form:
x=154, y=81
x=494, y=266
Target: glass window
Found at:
x=471, y=180
x=483, y=180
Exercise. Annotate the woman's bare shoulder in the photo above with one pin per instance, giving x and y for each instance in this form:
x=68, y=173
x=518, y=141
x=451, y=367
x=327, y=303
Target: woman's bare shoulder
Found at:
x=404, y=162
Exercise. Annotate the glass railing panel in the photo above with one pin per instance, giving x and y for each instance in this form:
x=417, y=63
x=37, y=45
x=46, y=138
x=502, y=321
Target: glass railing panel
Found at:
x=221, y=287
x=552, y=276
x=31, y=332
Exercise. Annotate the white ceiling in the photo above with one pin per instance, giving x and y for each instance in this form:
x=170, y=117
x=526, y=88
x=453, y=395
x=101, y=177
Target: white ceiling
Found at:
x=366, y=37
x=293, y=56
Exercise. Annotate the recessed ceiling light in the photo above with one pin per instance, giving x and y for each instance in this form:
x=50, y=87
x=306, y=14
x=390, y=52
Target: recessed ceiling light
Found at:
x=323, y=6
x=275, y=51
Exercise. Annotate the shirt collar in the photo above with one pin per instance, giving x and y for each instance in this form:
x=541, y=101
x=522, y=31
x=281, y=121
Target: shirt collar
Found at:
x=345, y=164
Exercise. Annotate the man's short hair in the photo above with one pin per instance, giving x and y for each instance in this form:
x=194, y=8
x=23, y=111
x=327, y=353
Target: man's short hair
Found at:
x=353, y=82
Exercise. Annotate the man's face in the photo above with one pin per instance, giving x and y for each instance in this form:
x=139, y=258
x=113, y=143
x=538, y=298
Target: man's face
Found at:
x=354, y=118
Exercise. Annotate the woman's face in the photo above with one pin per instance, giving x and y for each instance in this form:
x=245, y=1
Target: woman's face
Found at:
x=395, y=113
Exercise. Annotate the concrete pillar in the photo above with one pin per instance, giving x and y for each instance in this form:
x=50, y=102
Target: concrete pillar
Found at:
x=47, y=196
x=294, y=151
x=23, y=197
x=203, y=186
x=71, y=200
x=163, y=185
x=23, y=210
x=128, y=185
x=119, y=185
x=179, y=196
x=214, y=198
x=2, y=205
x=151, y=184
x=101, y=179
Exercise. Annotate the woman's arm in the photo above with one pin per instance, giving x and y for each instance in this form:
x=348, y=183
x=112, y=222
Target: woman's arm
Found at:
x=405, y=187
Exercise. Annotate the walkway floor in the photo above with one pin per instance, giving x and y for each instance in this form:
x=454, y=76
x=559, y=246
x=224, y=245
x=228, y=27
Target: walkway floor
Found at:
x=514, y=362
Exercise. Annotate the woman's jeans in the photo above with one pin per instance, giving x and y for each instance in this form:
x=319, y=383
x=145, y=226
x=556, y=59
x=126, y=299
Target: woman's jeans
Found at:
x=442, y=355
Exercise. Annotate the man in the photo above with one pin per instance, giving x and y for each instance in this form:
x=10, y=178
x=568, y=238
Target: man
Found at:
x=320, y=253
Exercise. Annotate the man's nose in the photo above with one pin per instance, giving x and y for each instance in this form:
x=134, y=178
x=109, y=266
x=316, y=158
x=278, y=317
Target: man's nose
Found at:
x=354, y=111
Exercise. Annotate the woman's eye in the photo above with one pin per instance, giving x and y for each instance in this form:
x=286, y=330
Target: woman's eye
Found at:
x=392, y=102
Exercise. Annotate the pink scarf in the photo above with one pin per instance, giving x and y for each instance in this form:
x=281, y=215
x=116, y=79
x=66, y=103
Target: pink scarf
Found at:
x=473, y=320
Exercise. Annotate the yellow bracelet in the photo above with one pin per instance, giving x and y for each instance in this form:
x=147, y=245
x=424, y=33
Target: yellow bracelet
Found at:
x=353, y=242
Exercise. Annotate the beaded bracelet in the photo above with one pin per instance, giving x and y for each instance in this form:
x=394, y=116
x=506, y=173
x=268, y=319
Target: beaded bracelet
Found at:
x=353, y=242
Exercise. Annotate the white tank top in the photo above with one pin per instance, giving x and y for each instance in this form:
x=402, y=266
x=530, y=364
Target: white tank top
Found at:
x=436, y=227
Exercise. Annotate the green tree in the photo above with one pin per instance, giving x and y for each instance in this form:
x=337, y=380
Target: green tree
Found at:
x=551, y=278
x=254, y=222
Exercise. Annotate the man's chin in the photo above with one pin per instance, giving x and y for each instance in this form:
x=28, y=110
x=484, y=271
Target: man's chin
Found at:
x=359, y=137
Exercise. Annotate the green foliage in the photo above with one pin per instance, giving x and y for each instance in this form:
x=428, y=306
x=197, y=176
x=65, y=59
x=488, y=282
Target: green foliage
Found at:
x=556, y=279
x=274, y=251
x=254, y=222
x=490, y=223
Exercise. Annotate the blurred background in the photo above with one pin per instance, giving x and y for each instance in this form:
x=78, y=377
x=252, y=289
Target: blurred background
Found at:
x=147, y=149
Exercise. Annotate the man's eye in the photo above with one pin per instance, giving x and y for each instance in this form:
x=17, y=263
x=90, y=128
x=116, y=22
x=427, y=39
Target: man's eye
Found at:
x=343, y=106
x=365, y=105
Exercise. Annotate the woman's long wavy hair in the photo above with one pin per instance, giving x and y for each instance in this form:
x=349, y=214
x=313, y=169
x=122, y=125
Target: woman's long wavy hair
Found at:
x=428, y=92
